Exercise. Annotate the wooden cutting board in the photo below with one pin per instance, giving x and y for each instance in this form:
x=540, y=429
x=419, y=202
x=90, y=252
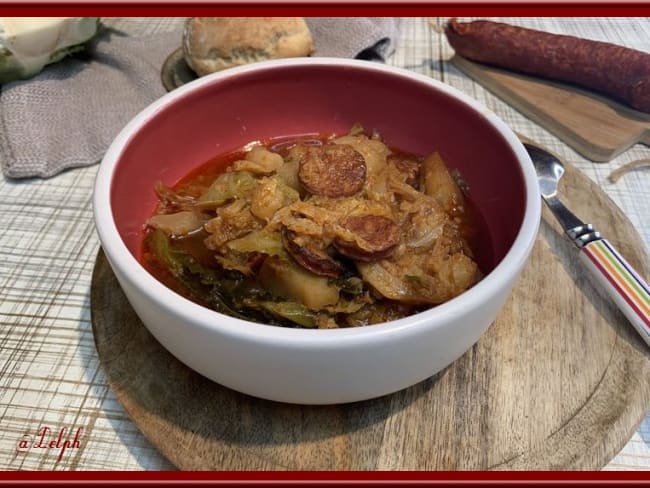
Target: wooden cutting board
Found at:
x=596, y=127
x=559, y=381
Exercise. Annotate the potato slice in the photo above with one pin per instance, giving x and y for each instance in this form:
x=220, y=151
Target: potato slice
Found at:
x=439, y=184
x=284, y=278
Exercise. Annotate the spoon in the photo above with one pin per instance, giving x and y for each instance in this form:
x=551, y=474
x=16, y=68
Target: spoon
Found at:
x=622, y=283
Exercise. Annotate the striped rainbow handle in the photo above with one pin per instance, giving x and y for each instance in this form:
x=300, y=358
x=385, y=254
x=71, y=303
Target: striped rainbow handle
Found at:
x=624, y=285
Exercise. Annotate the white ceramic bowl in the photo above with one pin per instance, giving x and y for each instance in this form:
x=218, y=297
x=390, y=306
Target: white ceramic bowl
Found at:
x=224, y=111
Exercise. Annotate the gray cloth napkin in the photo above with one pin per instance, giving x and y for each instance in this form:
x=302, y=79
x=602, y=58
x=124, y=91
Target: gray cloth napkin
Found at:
x=67, y=115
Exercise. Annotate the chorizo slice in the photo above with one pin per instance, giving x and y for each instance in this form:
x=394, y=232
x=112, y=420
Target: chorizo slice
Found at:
x=375, y=237
x=619, y=72
x=310, y=256
x=332, y=170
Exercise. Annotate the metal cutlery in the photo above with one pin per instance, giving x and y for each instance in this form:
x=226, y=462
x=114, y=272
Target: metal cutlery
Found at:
x=623, y=284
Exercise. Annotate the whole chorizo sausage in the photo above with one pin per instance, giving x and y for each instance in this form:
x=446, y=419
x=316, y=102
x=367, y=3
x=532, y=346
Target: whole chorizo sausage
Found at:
x=619, y=72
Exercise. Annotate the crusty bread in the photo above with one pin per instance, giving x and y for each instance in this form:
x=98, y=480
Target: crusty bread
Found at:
x=214, y=43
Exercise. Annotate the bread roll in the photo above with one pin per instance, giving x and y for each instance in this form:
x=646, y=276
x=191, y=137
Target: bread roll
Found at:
x=214, y=43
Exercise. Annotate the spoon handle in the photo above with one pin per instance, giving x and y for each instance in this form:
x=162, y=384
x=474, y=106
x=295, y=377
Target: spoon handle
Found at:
x=622, y=283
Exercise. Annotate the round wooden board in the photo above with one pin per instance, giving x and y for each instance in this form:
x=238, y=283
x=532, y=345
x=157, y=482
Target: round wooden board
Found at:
x=559, y=381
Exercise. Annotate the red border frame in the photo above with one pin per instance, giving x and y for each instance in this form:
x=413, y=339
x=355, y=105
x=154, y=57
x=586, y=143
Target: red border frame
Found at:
x=329, y=478
x=475, y=8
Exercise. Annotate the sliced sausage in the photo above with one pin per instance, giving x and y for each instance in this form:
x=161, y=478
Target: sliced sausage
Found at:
x=375, y=237
x=332, y=170
x=619, y=72
x=310, y=256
